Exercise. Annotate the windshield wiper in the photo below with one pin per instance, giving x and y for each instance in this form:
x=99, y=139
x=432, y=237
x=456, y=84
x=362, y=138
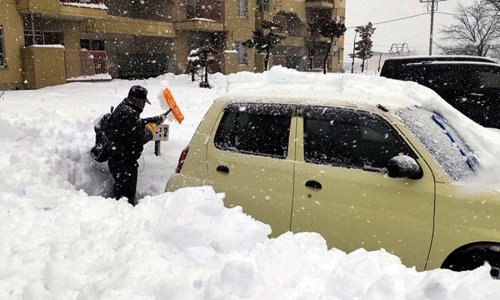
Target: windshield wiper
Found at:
x=441, y=123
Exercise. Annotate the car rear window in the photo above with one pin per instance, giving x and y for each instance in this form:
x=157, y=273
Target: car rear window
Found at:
x=258, y=129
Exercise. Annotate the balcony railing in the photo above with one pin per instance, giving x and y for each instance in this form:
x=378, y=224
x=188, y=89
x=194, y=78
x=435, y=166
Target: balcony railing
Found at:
x=99, y=60
x=86, y=62
x=84, y=1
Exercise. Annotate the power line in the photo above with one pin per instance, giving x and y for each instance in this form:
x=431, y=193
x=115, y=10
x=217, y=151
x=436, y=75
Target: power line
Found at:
x=394, y=20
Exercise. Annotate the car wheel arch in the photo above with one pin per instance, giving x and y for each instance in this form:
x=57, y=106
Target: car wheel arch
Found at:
x=473, y=255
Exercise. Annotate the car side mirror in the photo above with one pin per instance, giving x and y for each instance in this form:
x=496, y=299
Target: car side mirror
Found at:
x=404, y=166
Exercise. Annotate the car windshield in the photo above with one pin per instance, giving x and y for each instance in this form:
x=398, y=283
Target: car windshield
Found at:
x=442, y=141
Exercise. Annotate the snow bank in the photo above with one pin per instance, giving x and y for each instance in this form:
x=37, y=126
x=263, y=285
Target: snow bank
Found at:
x=60, y=240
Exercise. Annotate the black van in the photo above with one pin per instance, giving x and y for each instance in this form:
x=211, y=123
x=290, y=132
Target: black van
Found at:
x=470, y=84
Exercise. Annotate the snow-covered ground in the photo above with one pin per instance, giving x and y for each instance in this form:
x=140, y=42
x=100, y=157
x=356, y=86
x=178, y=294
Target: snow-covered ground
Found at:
x=61, y=239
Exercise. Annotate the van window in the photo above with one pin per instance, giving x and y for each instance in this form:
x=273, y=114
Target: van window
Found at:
x=350, y=138
x=455, y=76
x=445, y=76
x=485, y=78
x=259, y=129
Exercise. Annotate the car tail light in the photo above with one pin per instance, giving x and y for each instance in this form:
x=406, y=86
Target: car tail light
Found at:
x=182, y=158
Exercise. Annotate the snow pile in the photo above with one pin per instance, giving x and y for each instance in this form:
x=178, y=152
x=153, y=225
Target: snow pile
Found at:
x=59, y=239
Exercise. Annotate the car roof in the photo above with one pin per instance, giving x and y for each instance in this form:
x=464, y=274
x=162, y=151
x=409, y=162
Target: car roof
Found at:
x=461, y=63
x=379, y=109
x=461, y=58
x=298, y=100
x=346, y=90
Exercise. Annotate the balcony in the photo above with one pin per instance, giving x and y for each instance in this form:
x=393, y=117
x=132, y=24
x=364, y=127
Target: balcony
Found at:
x=85, y=63
x=129, y=26
x=203, y=15
x=319, y=4
x=65, y=9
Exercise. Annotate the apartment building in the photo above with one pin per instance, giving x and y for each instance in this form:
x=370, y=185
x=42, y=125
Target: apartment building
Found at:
x=50, y=42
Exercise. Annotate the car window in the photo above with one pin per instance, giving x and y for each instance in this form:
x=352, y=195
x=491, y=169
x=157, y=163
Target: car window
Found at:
x=259, y=129
x=405, y=72
x=350, y=138
x=487, y=79
x=442, y=142
x=456, y=76
x=445, y=76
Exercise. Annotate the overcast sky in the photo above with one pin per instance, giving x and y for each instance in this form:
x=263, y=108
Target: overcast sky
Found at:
x=413, y=31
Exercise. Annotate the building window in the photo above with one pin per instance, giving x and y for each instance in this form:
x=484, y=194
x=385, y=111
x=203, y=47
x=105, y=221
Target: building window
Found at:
x=242, y=53
x=262, y=5
x=35, y=34
x=2, y=50
x=92, y=44
x=38, y=37
x=243, y=8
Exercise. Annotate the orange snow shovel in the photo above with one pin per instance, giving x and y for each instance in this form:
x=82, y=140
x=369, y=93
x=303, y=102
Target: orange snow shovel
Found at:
x=167, y=95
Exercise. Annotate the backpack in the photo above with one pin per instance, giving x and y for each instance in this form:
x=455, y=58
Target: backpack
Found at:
x=102, y=148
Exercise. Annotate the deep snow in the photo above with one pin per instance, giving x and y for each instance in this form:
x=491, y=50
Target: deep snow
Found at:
x=60, y=239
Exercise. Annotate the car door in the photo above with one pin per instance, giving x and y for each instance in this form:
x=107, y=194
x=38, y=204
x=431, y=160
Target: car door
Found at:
x=251, y=159
x=343, y=192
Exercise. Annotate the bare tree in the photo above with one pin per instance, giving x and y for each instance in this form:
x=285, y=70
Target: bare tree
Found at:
x=495, y=3
x=476, y=27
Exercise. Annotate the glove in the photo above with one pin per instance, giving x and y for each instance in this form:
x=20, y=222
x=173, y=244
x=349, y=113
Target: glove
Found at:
x=151, y=127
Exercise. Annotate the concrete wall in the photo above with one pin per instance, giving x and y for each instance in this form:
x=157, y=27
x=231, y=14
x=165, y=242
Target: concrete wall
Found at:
x=43, y=66
x=231, y=64
x=239, y=30
x=11, y=76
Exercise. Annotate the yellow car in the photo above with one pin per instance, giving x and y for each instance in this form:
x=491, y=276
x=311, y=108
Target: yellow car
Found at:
x=361, y=175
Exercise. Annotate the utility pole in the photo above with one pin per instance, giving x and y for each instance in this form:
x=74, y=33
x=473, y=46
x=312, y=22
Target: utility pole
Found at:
x=432, y=6
x=354, y=51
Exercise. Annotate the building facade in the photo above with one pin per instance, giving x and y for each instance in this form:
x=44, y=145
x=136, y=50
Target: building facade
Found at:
x=49, y=42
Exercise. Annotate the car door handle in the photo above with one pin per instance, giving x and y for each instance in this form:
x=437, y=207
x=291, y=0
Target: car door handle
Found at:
x=222, y=169
x=314, y=184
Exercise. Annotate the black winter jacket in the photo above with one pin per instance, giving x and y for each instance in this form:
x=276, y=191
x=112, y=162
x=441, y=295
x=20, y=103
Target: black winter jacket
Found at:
x=127, y=133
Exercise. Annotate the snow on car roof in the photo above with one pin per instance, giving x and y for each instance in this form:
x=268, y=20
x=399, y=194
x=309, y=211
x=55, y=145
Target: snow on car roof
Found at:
x=291, y=86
